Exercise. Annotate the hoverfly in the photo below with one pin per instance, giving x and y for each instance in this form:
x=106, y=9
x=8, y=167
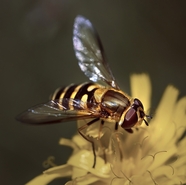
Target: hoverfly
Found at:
x=100, y=99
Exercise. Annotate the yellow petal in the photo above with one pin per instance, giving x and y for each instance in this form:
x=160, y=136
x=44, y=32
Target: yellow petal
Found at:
x=162, y=125
x=84, y=160
x=70, y=183
x=141, y=89
x=80, y=141
x=87, y=179
x=62, y=170
x=43, y=179
x=179, y=117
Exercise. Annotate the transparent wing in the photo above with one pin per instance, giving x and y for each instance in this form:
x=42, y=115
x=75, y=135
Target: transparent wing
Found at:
x=90, y=53
x=58, y=111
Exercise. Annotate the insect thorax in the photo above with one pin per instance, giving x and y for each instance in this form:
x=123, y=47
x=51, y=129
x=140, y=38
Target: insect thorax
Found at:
x=112, y=101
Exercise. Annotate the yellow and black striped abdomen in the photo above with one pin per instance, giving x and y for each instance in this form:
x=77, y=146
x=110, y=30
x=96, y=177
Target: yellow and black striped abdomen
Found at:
x=83, y=92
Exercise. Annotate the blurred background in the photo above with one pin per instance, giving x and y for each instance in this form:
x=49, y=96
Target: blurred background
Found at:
x=36, y=57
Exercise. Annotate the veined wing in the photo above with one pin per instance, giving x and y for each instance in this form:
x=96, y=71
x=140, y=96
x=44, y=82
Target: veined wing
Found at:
x=90, y=53
x=56, y=111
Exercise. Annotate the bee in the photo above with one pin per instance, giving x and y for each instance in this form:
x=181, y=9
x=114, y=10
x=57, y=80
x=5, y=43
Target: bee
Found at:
x=101, y=99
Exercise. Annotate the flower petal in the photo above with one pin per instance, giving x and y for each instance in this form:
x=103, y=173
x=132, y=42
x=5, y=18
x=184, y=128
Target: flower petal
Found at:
x=69, y=143
x=84, y=160
x=88, y=179
x=62, y=170
x=163, y=127
x=141, y=88
x=69, y=183
x=81, y=142
x=179, y=117
x=43, y=179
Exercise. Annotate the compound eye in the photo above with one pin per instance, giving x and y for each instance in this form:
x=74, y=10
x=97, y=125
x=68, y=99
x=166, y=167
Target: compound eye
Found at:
x=138, y=102
x=130, y=120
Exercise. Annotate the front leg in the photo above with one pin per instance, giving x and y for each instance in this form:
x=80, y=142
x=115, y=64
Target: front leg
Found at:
x=92, y=143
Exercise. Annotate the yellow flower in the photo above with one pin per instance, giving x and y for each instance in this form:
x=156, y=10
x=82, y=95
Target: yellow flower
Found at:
x=153, y=155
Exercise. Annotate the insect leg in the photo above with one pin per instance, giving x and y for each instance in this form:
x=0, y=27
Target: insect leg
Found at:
x=119, y=142
x=92, y=143
x=99, y=136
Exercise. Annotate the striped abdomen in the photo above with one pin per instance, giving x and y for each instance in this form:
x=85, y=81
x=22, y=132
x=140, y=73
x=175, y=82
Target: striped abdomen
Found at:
x=83, y=92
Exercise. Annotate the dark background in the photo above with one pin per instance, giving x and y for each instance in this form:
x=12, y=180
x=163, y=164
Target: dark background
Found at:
x=36, y=57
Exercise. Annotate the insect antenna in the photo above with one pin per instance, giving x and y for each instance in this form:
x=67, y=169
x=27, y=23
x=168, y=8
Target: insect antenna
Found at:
x=149, y=117
x=146, y=122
